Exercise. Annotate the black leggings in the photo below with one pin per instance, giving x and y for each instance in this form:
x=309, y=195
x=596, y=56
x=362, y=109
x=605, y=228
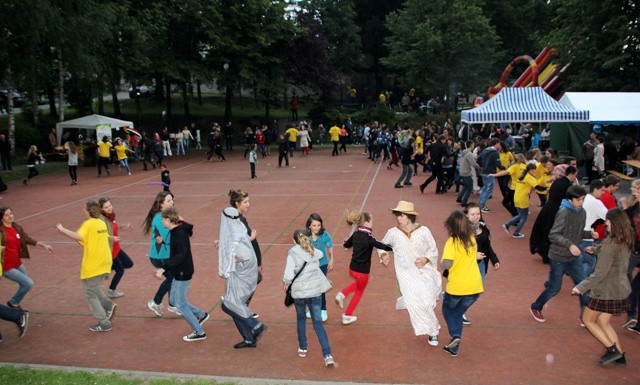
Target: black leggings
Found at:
x=73, y=173
x=120, y=262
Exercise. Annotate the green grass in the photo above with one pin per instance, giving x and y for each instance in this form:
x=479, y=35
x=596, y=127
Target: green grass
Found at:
x=20, y=171
x=26, y=376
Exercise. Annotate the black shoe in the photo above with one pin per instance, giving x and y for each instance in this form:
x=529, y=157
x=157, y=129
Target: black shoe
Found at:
x=259, y=332
x=244, y=344
x=408, y=184
x=453, y=352
x=612, y=354
x=204, y=318
x=398, y=186
x=622, y=361
x=22, y=323
x=422, y=188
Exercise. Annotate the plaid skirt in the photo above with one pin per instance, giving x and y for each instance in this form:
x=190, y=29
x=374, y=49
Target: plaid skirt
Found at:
x=610, y=306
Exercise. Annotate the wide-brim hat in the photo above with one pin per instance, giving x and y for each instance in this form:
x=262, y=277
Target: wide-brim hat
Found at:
x=405, y=208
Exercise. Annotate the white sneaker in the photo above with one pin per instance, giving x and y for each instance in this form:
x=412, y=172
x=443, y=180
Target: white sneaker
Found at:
x=433, y=340
x=302, y=353
x=114, y=294
x=348, y=319
x=155, y=307
x=328, y=361
x=324, y=315
x=340, y=300
x=174, y=310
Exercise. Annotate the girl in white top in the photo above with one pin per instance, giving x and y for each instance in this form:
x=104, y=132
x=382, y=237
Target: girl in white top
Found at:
x=72, y=162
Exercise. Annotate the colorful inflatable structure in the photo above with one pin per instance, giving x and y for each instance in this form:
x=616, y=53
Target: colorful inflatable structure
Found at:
x=541, y=71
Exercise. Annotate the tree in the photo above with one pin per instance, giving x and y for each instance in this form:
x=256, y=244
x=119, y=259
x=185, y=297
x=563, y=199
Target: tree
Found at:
x=436, y=45
x=601, y=41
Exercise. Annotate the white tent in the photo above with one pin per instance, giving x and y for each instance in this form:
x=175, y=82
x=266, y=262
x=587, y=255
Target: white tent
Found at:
x=89, y=123
x=523, y=104
x=606, y=107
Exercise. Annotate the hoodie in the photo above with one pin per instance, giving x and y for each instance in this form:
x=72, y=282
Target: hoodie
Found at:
x=180, y=262
x=311, y=282
x=567, y=230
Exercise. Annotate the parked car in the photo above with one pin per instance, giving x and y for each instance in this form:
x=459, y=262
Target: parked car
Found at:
x=18, y=99
x=142, y=91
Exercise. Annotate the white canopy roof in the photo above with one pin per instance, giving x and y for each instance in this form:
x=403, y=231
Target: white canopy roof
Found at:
x=523, y=104
x=606, y=107
x=90, y=122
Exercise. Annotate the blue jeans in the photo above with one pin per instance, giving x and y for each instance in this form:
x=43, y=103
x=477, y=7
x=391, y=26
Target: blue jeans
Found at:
x=588, y=260
x=10, y=314
x=487, y=189
x=245, y=326
x=19, y=275
x=482, y=265
x=314, y=304
x=554, y=283
x=467, y=188
x=179, y=292
x=519, y=220
x=453, y=307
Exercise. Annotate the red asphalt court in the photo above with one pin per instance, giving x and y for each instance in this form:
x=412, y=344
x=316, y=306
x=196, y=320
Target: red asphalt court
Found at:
x=503, y=345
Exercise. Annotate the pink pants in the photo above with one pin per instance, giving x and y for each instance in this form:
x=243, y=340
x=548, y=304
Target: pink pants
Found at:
x=357, y=287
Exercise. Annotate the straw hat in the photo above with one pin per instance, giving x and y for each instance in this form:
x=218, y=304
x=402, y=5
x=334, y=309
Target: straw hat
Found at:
x=405, y=208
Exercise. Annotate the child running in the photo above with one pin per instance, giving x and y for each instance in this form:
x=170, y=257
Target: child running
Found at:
x=363, y=244
x=321, y=240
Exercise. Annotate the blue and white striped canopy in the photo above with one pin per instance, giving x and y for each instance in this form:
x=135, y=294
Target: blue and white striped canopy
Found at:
x=528, y=104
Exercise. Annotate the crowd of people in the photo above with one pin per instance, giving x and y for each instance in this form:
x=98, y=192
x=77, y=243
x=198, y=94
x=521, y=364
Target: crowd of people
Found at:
x=573, y=227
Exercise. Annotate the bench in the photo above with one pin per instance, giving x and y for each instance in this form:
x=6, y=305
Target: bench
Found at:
x=620, y=175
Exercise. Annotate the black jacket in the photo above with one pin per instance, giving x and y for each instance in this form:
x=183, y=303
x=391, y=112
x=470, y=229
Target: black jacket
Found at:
x=180, y=262
x=363, y=244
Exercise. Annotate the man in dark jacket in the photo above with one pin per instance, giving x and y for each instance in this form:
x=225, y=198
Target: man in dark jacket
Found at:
x=5, y=152
x=489, y=160
x=180, y=267
x=437, y=151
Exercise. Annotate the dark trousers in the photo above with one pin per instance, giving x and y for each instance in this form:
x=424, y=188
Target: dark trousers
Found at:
x=285, y=156
x=6, y=161
x=335, y=148
x=122, y=261
x=165, y=286
x=253, y=169
x=436, y=173
x=245, y=326
x=508, y=204
x=73, y=173
x=147, y=158
x=33, y=171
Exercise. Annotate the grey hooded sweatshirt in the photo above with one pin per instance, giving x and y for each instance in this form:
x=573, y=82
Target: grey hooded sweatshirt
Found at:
x=311, y=282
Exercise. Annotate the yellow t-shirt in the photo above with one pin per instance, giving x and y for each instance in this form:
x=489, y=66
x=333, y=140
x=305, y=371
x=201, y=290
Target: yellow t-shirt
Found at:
x=522, y=190
x=104, y=148
x=121, y=151
x=464, y=275
x=419, y=145
x=96, y=258
x=514, y=172
x=545, y=180
x=334, y=132
x=293, y=134
x=506, y=158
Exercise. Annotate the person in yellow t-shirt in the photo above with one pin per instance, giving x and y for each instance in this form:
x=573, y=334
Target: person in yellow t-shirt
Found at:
x=514, y=171
x=544, y=171
x=121, y=153
x=334, y=135
x=104, y=155
x=464, y=282
x=96, y=264
x=292, y=133
x=524, y=184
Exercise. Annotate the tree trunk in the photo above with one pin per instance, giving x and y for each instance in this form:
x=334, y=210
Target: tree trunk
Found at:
x=60, y=86
x=11, y=117
x=35, y=111
x=51, y=95
x=167, y=87
x=185, y=99
x=114, y=97
x=199, y=85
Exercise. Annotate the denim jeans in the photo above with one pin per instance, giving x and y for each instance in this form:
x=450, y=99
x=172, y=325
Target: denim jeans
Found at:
x=467, y=189
x=121, y=262
x=588, y=260
x=179, y=293
x=482, y=265
x=487, y=189
x=98, y=302
x=19, y=275
x=314, y=308
x=554, y=283
x=245, y=326
x=10, y=314
x=519, y=220
x=453, y=307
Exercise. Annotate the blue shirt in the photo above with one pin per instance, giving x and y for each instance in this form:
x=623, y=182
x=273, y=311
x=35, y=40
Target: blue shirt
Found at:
x=159, y=250
x=322, y=243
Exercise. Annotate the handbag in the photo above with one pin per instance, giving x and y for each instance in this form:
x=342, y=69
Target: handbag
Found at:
x=288, y=299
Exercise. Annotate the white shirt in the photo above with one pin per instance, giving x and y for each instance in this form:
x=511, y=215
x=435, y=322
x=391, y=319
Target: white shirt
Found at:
x=595, y=210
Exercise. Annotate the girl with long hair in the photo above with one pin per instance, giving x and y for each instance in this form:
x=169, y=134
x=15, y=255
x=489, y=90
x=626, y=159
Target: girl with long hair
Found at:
x=363, y=243
x=464, y=282
x=159, y=248
x=608, y=286
x=121, y=260
x=307, y=291
x=321, y=240
x=33, y=158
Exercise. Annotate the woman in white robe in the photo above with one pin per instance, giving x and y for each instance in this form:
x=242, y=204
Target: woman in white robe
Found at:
x=415, y=260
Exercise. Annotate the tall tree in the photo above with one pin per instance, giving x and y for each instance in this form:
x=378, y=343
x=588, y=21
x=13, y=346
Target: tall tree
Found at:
x=443, y=47
x=601, y=40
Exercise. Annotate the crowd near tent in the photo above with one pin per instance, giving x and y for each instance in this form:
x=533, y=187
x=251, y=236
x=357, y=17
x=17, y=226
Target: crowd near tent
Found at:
x=523, y=104
x=90, y=123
